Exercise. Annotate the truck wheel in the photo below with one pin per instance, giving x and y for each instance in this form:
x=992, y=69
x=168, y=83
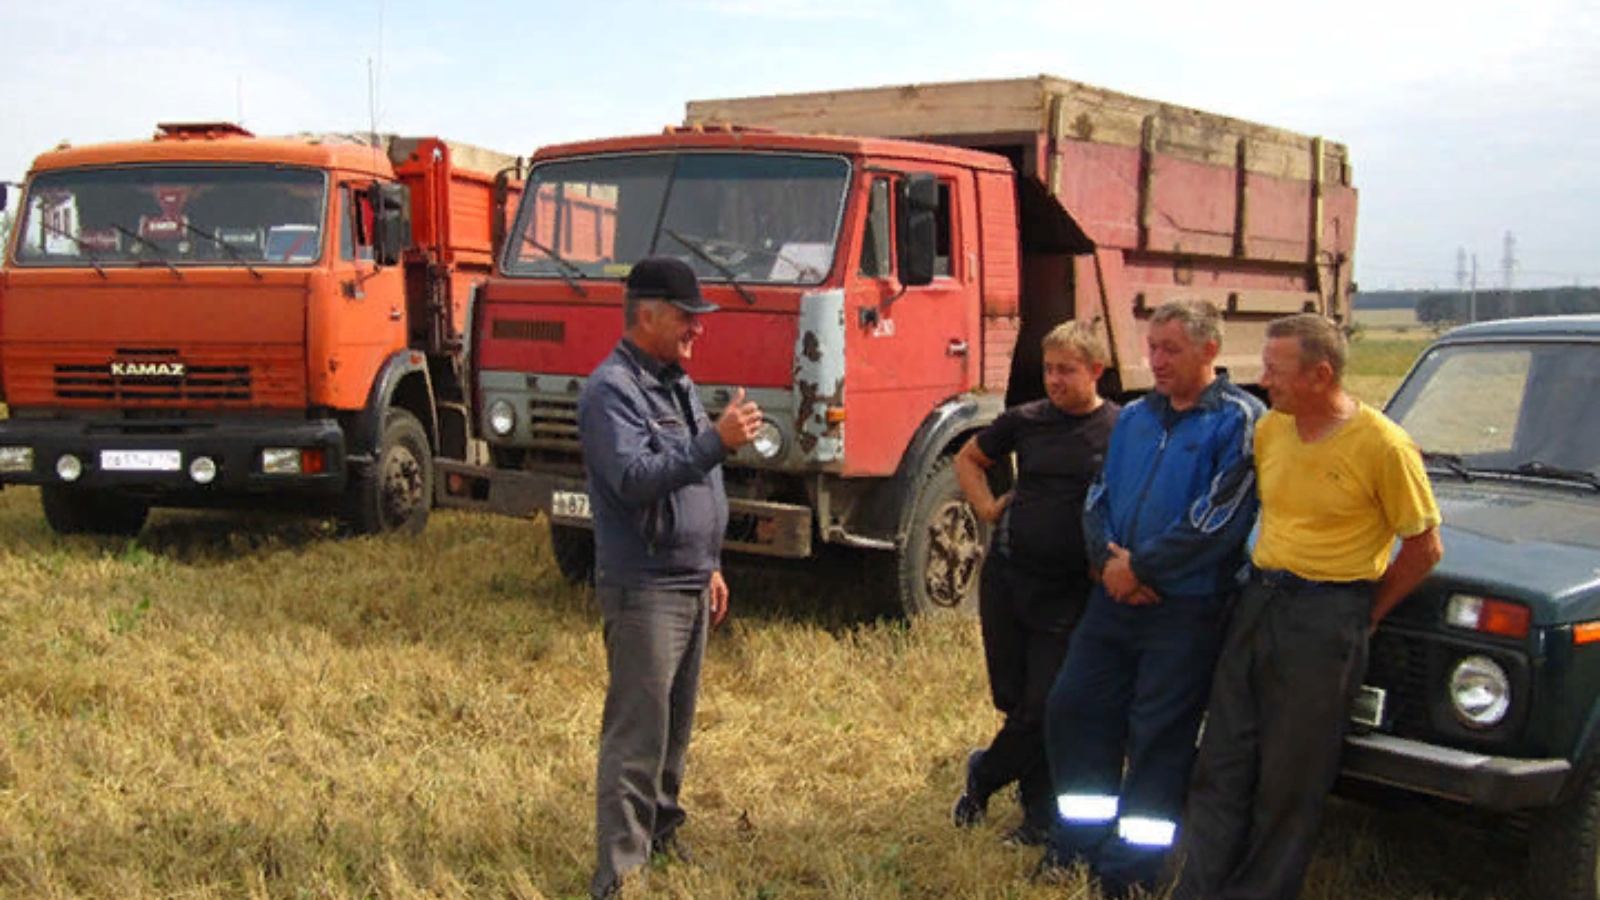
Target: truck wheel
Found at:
x=394, y=493
x=939, y=563
x=88, y=511
x=1564, y=847
x=574, y=552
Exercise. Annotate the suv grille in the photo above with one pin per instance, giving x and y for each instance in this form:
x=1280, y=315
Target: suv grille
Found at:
x=1400, y=665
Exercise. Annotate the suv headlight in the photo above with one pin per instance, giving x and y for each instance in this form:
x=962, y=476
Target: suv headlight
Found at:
x=1480, y=692
x=502, y=417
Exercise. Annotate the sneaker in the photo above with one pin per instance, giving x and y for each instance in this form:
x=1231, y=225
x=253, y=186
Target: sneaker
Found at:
x=1026, y=835
x=972, y=805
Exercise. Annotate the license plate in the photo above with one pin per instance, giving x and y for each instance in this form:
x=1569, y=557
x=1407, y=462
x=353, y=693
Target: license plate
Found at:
x=1368, y=708
x=569, y=504
x=141, y=460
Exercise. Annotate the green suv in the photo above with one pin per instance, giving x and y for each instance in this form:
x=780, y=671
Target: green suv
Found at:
x=1484, y=685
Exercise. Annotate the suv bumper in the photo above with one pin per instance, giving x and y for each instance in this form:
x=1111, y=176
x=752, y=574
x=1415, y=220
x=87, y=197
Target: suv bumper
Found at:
x=235, y=445
x=1499, y=783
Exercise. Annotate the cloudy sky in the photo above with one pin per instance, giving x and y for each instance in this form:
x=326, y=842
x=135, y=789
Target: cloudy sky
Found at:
x=1466, y=119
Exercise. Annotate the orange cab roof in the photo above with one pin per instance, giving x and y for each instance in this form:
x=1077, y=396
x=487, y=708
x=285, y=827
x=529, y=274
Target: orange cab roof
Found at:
x=310, y=152
x=712, y=138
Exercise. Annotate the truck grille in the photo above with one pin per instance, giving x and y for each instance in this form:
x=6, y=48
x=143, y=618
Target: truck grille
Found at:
x=554, y=424
x=199, y=383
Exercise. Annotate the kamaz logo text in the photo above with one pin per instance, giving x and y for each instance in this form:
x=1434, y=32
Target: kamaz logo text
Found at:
x=148, y=369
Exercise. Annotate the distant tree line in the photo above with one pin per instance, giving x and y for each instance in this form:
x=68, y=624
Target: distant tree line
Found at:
x=1456, y=306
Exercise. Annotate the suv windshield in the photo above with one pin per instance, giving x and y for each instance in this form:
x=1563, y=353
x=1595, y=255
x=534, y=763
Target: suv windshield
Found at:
x=194, y=215
x=1511, y=407
x=749, y=217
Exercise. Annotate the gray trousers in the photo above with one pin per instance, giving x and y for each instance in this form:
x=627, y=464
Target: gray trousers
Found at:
x=655, y=640
x=1292, y=665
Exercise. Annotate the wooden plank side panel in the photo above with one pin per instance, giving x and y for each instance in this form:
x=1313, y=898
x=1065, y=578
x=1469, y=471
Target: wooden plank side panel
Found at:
x=1082, y=113
x=912, y=110
x=1279, y=228
x=1195, y=208
x=1099, y=186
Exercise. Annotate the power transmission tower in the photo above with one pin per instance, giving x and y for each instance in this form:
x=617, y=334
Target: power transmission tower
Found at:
x=1461, y=268
x=1508, y=265
x=1472, y=298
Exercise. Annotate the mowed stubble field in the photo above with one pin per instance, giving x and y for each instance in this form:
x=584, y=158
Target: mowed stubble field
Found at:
x=242, y=707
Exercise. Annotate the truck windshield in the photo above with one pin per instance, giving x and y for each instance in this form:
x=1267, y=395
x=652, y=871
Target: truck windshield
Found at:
x=750, y=217
x=1524, y=408
x=177, y=215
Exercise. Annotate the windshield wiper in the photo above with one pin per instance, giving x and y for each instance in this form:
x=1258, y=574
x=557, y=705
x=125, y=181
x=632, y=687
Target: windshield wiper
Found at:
x=1451, y=461
x=93, y=260
x=226, y=248
x=1538, y=469
x=721, y=267
x=144, y=243
x=569, y=272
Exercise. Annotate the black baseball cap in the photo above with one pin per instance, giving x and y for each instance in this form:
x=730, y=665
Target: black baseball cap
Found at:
x=669, y=279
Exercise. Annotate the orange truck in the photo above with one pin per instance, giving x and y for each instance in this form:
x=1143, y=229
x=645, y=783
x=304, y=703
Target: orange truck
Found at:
x=887, y=261
x=213, y=319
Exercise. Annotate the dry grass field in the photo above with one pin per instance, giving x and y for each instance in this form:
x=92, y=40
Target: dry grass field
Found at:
x=238, y=707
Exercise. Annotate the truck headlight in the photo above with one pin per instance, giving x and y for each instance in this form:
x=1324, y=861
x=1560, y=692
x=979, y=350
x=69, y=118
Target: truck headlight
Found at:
x=16, y=459
x=502, y=417
x=1480, y=692
x=768, y=442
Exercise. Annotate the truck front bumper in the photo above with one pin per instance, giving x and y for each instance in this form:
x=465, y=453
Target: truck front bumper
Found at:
x=234, y=445
x=1499, y=783
x=754, y=526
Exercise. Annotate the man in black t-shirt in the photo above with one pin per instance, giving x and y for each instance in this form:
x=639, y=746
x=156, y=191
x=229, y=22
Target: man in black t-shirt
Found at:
x=1035, y=581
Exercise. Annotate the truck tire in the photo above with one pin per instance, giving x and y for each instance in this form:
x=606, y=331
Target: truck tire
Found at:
x=939, y=563
x=574, y=552
x=394, y=493
x=88, y=511
x=1564, y=847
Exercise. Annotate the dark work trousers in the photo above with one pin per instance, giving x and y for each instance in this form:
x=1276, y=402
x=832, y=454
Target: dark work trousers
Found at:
x=1027, y=620
x=1293, y=662
x=1133, y=688
x=655, y=641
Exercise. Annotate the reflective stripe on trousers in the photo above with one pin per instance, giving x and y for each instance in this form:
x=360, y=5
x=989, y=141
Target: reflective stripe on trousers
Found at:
x=1087, y=808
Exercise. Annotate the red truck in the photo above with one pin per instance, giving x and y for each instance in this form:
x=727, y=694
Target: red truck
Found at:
x=884, y=293
x=213, y=319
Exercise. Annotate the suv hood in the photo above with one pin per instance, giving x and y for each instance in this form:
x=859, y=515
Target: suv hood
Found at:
x=1535, y=543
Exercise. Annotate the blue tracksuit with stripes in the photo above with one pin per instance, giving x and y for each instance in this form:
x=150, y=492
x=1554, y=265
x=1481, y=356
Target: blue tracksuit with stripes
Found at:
x=1178, y=493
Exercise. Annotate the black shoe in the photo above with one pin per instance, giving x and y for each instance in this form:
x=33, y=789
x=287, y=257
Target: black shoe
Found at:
x=1026, y=835
x=671, y=848
x=971, y=806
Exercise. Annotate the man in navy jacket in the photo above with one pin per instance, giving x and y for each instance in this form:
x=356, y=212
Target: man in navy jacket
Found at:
x=1165, y=526
x=654, y=463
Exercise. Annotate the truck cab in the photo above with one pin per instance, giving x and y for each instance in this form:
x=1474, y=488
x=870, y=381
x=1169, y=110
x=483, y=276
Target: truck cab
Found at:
x=214, y=319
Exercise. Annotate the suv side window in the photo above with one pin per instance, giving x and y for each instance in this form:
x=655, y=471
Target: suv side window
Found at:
x=877, y=244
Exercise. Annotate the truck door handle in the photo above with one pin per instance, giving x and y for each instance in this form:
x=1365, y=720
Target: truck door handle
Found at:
x=957, y=347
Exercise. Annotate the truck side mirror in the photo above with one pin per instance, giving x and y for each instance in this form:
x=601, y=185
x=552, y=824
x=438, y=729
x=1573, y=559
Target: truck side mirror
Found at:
x=391, y=222
x=918, y=208
x=5, y=198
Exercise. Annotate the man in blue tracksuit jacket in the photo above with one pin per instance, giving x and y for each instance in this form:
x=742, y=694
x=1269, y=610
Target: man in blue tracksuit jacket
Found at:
x=1165, y=526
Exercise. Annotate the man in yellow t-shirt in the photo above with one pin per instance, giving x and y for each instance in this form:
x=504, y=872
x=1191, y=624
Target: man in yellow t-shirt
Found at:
x=1338, y=483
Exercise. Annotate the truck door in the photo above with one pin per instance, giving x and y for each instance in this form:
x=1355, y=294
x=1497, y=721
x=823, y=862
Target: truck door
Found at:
x=370, y=322
x=909, y=348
